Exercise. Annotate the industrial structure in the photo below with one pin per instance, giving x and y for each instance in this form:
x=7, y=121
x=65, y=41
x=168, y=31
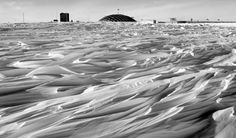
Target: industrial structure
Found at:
x=117, y=18
x=64, y=17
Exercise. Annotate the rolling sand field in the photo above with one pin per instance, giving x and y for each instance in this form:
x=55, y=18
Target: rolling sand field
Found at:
x=116, y=80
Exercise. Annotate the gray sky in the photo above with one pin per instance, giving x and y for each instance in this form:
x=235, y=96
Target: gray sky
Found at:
x=84, y=10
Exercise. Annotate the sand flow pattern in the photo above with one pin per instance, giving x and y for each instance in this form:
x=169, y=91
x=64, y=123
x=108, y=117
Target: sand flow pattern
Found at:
x=106, y=80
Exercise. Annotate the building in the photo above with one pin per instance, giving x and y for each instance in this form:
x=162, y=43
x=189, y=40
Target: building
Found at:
x=154, y=21
x=173, y=20
x=183, y=22
x=148, y=21
x=64, y=17
x=117, y=18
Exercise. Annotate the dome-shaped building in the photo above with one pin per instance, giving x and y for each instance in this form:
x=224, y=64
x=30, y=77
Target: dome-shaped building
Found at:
x=117, y=18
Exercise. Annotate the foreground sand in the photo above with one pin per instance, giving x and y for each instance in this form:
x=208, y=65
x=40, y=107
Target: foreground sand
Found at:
x=100, y=80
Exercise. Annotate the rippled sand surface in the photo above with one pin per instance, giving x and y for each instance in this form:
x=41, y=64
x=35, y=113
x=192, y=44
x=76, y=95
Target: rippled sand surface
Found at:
x=99, y=80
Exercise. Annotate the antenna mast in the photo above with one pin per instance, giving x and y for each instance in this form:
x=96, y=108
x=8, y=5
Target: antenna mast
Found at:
x=23, y=15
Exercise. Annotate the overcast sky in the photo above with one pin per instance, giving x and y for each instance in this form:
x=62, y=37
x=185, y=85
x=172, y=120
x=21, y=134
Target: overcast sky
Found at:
x=93, y=10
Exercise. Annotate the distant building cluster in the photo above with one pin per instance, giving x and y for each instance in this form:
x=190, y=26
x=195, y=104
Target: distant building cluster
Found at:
x=65, y=17
x=174, y=20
